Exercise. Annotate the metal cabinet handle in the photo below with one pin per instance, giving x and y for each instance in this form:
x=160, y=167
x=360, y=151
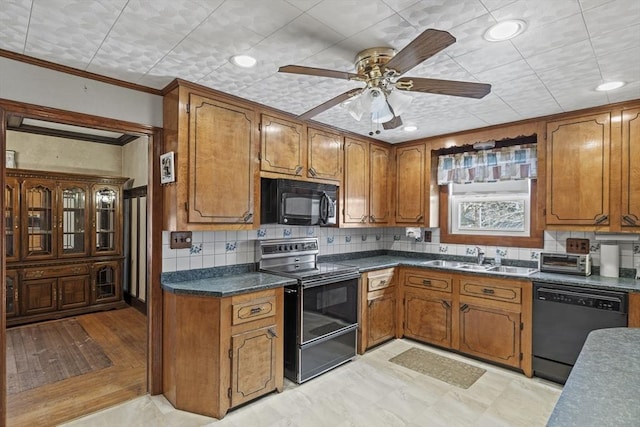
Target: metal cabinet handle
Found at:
x=312, y=171
x=363, y=219
x=419, y=218
x=445, y=304
x=629, y=220
x=247, y=217
x=382, y=282
x=464, y=307
x=272, y=333
x=426, y=282
x=255, y=310
x=488, y=291
x=602, y=219
x=298, y=169
x=372, y=218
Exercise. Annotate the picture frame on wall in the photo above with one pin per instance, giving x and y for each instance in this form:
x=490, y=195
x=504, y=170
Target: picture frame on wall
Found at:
x=167, y=168
x=10, y=159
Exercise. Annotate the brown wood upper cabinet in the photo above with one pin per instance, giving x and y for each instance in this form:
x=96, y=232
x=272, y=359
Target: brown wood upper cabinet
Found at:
x=593, y=181
x=367, y=183
x=216, y=162
x=412, y=171
x=578, y=170
x=630, y=162
x=291, y=150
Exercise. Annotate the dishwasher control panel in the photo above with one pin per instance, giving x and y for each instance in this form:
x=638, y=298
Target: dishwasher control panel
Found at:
x=600, y=302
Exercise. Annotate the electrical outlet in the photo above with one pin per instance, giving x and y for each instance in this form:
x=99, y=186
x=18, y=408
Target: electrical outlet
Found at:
x=180, y=240
x=578, y=246
x=427, y=235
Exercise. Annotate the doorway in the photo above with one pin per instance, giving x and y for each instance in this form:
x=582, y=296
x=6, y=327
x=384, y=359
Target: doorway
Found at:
x=112, y=330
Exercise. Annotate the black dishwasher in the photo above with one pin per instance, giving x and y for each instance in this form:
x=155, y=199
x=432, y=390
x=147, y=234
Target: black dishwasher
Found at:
x=563, y=316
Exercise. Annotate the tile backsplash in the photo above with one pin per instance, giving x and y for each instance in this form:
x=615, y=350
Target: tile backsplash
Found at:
x=224, y=248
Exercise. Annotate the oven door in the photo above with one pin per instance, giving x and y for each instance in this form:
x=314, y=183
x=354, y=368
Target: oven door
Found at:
x=329, y=305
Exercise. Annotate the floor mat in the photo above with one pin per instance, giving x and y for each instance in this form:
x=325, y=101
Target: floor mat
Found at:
x=443, y=368
x=48, y=352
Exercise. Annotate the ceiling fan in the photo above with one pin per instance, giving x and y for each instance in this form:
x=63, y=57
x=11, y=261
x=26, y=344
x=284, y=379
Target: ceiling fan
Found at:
x=380, y=69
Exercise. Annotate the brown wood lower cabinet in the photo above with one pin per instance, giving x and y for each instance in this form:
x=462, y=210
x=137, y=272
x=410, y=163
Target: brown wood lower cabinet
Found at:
x=491, y=333
x=484, y=316
x=219, y=353
x=378, y=308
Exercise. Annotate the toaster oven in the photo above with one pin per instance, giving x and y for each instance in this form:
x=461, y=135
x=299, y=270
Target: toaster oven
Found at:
x=565, y=263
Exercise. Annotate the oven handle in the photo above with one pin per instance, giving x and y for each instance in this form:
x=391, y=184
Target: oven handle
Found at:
x=312, y=283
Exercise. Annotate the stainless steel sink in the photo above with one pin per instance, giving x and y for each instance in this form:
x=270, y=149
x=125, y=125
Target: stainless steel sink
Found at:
x=443, y=263
x=467, y=266
x=518, y=271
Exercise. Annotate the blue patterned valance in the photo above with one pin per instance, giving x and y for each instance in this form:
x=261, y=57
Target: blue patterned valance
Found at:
x=498, y=164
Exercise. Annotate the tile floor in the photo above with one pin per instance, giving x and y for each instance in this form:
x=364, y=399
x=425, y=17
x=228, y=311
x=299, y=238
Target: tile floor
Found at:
x=369, y=391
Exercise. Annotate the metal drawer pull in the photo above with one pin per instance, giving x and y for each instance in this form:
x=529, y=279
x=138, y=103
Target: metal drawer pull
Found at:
x=488, y=291
x=255, y=310
x=426, y=282
x=271, y=332
x=382, y=282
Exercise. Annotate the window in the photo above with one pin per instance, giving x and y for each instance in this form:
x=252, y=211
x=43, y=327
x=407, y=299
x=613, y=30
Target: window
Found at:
x=495, y=209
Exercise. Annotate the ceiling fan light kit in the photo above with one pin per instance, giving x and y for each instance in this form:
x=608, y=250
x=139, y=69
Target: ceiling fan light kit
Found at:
x=380, y=69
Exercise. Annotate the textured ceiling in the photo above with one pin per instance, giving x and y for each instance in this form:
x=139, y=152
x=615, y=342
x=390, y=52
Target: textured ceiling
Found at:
x=569, y=47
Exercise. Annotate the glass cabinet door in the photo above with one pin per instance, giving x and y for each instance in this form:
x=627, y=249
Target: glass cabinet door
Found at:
x=39, y=217
x=12, y=293
x=107, y=224
x=12, y=219
x=73, y=220
x=106, y=282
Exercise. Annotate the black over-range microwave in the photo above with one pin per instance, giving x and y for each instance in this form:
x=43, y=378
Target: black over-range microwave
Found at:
x=285, y=201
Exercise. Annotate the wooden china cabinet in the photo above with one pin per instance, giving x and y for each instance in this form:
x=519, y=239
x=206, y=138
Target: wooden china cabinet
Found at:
x=63, y=244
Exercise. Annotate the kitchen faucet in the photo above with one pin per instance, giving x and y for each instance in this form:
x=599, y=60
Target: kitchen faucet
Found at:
x=480, y=253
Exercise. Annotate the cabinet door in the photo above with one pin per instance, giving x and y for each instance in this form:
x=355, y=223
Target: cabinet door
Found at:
x=356, y=182
x=12, y=219
x=578, y=171
x=73, y=291
x=410, y=185
x=39, y=296
x=630, y=209
x=107, y=224
x=222, y=173
x=73, y=220
x=282, y=146
x=39, y=217
x=427, y=317
x=325, y=155
x=381, y=312
x=253, y=364
x=106, y=282
x=491, y=333
x=380, y=184
x=11, y=307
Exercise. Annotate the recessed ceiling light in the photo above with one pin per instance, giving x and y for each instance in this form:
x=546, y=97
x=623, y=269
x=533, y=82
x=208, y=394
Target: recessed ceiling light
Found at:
x=244, y=61
x=410, y=128
x=505, y=30
x=610, y=86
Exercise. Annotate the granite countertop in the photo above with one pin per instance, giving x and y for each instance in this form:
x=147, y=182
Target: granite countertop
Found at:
x=387, y=261
x=604, y=386
x=227, y=285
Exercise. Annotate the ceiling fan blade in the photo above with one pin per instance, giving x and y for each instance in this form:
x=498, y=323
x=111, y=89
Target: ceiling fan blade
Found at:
x=320, y=72
x=444, y=87
x=420, y=49
x=393, y=123
x=330, y=103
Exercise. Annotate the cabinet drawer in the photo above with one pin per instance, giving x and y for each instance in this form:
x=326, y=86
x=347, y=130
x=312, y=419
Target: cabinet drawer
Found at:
x=495, y=291
x=249, y=311
x=427, y=280
x=63, y=270
x=380, y=279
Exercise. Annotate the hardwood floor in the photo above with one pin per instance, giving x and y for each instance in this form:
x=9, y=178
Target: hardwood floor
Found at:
x=122, y=334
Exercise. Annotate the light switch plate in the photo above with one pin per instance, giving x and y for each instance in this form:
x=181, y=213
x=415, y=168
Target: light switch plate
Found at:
x=577, y=246
x=180, y=240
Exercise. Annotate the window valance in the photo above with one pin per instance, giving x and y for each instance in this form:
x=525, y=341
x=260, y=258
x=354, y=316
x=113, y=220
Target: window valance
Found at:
x=498, y=164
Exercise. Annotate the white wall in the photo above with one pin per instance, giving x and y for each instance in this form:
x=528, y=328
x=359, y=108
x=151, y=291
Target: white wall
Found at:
x=28, y=83
x=135, y=161
x=50, y=153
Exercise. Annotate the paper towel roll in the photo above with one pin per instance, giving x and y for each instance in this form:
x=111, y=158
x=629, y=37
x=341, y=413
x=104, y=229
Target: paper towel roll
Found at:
x=609, y=260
